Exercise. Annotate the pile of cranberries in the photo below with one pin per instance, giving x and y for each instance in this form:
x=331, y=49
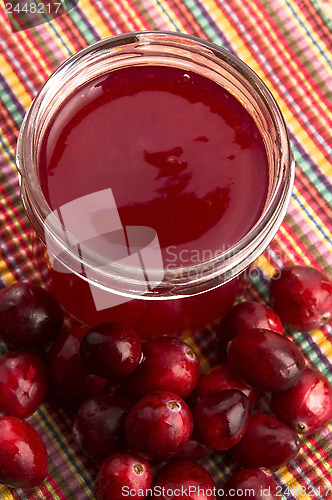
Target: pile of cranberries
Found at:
x=144, y=413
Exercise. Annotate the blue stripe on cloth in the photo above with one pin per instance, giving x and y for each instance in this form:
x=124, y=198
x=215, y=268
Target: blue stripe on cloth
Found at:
x=6, y=92
x=289, y=99
x=8, y=151
x=58, y=437
x=313, y=219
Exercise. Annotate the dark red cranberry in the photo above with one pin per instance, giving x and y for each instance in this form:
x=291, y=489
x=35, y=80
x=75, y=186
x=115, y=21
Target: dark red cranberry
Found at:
x=265, y=359
x=194, y=450
x=99, y=425
x=23, y=457
x=23, y=383
x=168, y=364
x=268, y=443
x=111, y=350
x=221, y=377
x=158, y=426
x=29, y=315
x=123, y=475
x=184, y=479
x=259, y=482
x=306, y=407
x=221, y=418
x=68, y=376
x=302, y=296
x=246, y=316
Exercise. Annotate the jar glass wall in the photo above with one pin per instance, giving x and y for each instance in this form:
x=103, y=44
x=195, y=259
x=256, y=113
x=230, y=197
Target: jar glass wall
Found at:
x=185, y=295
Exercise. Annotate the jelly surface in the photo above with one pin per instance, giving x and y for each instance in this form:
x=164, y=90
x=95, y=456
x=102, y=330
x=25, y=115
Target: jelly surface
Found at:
x=179, y=152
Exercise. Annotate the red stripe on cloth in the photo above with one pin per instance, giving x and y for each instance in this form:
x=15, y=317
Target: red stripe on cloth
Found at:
x=138, y=12
x=291, y=85
x=187, y=18
x=8, y=126
x=122, y=23
x=267, y=41
x=13, y=53
x=71, y=31
x=37, y=55
x=310, y=193
x=301, y=252
x=317, y=460
x=317, y=23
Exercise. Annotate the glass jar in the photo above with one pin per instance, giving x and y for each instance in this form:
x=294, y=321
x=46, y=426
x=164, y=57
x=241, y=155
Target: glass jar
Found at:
x=153, y=299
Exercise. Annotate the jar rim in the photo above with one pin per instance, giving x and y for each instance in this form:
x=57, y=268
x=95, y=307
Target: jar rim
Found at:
x=178, y=281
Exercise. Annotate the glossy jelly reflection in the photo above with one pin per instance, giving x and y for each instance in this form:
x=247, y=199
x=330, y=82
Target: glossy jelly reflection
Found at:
x=180, y=153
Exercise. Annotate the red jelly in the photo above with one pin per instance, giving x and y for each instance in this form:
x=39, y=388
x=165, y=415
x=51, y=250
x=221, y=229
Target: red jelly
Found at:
x=162, y=122
x=181, y=156
x=179, y=152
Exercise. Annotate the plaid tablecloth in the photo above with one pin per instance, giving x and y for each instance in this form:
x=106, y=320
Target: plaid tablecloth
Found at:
x=288, y=43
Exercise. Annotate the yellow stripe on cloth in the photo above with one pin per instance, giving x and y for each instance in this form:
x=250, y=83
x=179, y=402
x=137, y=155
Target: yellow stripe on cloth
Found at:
x=263, y=264
x=5, y=493
x=13, y=81
x=294, y=246
x=59, y=449
x=95, y=19
x=6, y=275
x=239, y=44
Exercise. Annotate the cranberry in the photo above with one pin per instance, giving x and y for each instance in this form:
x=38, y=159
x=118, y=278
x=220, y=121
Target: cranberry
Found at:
x=221, y=418
x=23, y=383
x=221, y=377
x=69, y=377
x=158, y=426
x=23, y=457
x=268, y=443
x=246, y=316
x=265, y=359
x=111, y=350
x=99, y=425
x=302, y=296
x=259, y=482
x=184, y=479
x=194, y=450
x=29, y=315
x=168, y=364
x=306, y=407
x=123, y=475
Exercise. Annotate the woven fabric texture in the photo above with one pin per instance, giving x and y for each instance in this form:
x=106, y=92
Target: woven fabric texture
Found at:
x=288, y=43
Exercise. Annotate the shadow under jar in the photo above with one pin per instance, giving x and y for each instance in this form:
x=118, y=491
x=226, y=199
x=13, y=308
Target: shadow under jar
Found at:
x=155, y=168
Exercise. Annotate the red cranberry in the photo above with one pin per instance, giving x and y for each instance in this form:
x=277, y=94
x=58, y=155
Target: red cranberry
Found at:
x=99, y=425
x=221, y=377
x=246, y=316
x=194, y=450
x=23, y=457
x=23, y=383
x=111, y=350
x=123, y=475
x=302, y=296
x=168, y=364
x=266, y=360
x=259, y=482
x=184, y=479
x=69, y=377
x=158, y=426
x=306, y=407
x=268, y=443
x=221, y=418
x=29, y=315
